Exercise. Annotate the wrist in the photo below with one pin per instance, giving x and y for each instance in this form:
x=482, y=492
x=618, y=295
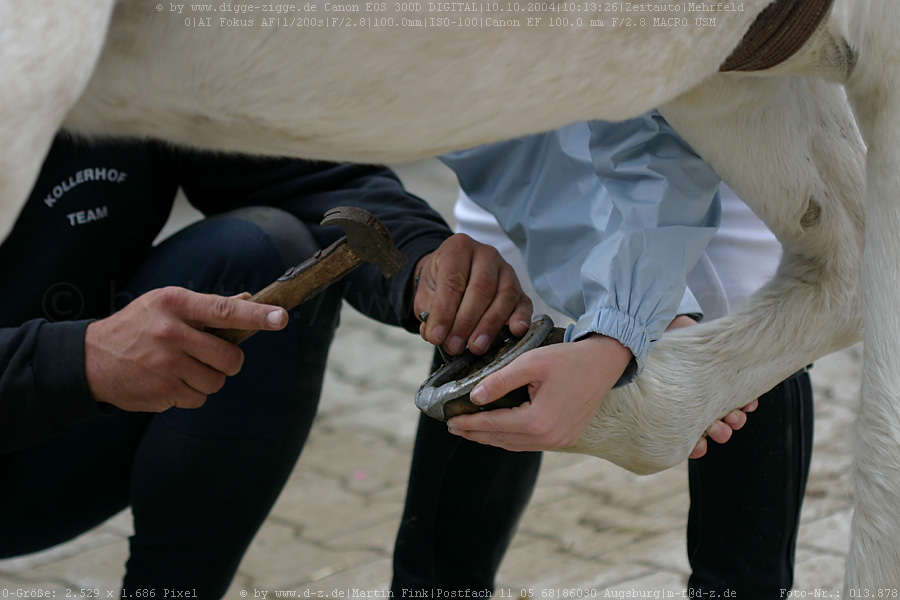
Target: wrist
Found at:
x=614, y=355
x=92, y=371
x=622, y=326
x=414, y=281
x=681, y=321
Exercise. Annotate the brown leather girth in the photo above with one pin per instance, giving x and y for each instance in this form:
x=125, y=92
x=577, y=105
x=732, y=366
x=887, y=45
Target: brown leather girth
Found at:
x=777, y=33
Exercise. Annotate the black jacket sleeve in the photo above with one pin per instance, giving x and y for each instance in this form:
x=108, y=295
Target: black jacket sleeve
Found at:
x=43, y=389
x=216, y=184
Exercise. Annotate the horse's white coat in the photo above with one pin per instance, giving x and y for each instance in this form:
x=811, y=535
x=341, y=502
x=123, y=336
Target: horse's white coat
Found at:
x=787, y=142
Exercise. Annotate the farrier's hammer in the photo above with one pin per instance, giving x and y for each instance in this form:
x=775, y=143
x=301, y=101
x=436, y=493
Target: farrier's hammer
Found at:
x=366, y=240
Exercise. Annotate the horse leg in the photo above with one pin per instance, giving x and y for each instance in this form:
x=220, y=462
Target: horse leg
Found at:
x=789, y=147
x=874, y=92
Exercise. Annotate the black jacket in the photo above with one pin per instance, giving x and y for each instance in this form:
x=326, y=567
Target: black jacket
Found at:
x=91, y=220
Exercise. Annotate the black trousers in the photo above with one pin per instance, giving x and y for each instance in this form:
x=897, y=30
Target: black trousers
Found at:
x=746, y=497
x=465, y=500
x=199, y=482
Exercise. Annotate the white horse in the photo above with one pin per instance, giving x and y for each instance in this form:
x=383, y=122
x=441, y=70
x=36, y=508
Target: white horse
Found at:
x=786, y=140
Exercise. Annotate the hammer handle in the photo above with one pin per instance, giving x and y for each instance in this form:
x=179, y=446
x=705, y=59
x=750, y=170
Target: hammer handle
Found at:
x=300, y=284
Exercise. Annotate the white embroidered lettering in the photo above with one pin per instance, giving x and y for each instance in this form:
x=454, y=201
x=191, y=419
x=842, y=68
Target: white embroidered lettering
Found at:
x=85, y=175
x=82, y=217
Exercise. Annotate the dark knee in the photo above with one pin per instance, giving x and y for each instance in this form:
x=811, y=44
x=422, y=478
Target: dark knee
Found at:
x=289, y=235
x=239, y=251
x=294, y=243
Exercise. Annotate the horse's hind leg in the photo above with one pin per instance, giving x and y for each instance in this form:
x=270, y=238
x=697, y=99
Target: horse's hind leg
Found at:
x=874, y=560
x=789, y=147
x=873, y=564
x=49, y=49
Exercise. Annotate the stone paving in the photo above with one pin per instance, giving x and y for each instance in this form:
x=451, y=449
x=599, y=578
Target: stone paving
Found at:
x=590, y=526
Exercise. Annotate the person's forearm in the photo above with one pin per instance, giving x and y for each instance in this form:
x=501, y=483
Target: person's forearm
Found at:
x=665, y=200
x=415, y=227
x=609, y=238
x=308, y=190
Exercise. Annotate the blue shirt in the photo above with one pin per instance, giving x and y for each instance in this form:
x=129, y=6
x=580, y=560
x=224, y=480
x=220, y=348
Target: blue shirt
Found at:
x=610, y=218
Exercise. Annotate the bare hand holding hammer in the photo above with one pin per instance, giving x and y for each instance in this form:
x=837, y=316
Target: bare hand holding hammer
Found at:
x=153, y=354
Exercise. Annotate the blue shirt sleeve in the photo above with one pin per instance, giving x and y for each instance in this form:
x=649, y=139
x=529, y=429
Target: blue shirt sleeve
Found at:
x=610, y=218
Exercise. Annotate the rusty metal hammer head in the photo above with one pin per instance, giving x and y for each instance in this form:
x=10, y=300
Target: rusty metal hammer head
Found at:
x=367, y=238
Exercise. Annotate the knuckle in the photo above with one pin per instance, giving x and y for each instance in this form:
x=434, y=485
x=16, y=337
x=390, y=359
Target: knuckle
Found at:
x=489, y=422
x=161, y=405
x=492, y=320
x=525, y=303
x=510, y=293
x=458, y=242
x=492, y=253
x=496, y=384
x=463, y=324
x=168, y=364
x=455, y=282
x=532, y=364
x=222, y=308
x=483, y=286
x=548, y=433
x=233, y=361
x=193, y=400
x=169, y=297
x=168, y=388
x=538, y=429
x=498, y=439
x=169, y=329
x=217, y=382
x=508, y=279
x=450, y=250
x=419, y=302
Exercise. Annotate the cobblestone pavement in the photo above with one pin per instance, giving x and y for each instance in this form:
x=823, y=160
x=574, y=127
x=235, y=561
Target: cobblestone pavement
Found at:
x=590, y=525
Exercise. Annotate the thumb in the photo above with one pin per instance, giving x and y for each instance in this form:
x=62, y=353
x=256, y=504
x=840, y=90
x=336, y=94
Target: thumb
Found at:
x=496, y=385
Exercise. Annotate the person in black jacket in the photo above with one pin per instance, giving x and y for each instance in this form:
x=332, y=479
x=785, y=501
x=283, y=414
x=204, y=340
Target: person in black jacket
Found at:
x=112, y=394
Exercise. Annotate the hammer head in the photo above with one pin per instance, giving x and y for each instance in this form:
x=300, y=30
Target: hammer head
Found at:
x=367, y=238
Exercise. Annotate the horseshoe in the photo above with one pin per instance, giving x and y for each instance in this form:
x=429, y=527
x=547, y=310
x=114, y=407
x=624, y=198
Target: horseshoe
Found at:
x=445, y=394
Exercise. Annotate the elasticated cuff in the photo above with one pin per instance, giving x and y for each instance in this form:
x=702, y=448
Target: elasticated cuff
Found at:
x=620, y=326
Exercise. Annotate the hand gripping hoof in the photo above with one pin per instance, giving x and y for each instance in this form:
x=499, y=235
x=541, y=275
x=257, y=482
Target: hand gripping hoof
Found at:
x=445, y=394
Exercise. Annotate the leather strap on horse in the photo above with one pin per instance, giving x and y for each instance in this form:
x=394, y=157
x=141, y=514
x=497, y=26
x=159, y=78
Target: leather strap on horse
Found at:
x=777, y=33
